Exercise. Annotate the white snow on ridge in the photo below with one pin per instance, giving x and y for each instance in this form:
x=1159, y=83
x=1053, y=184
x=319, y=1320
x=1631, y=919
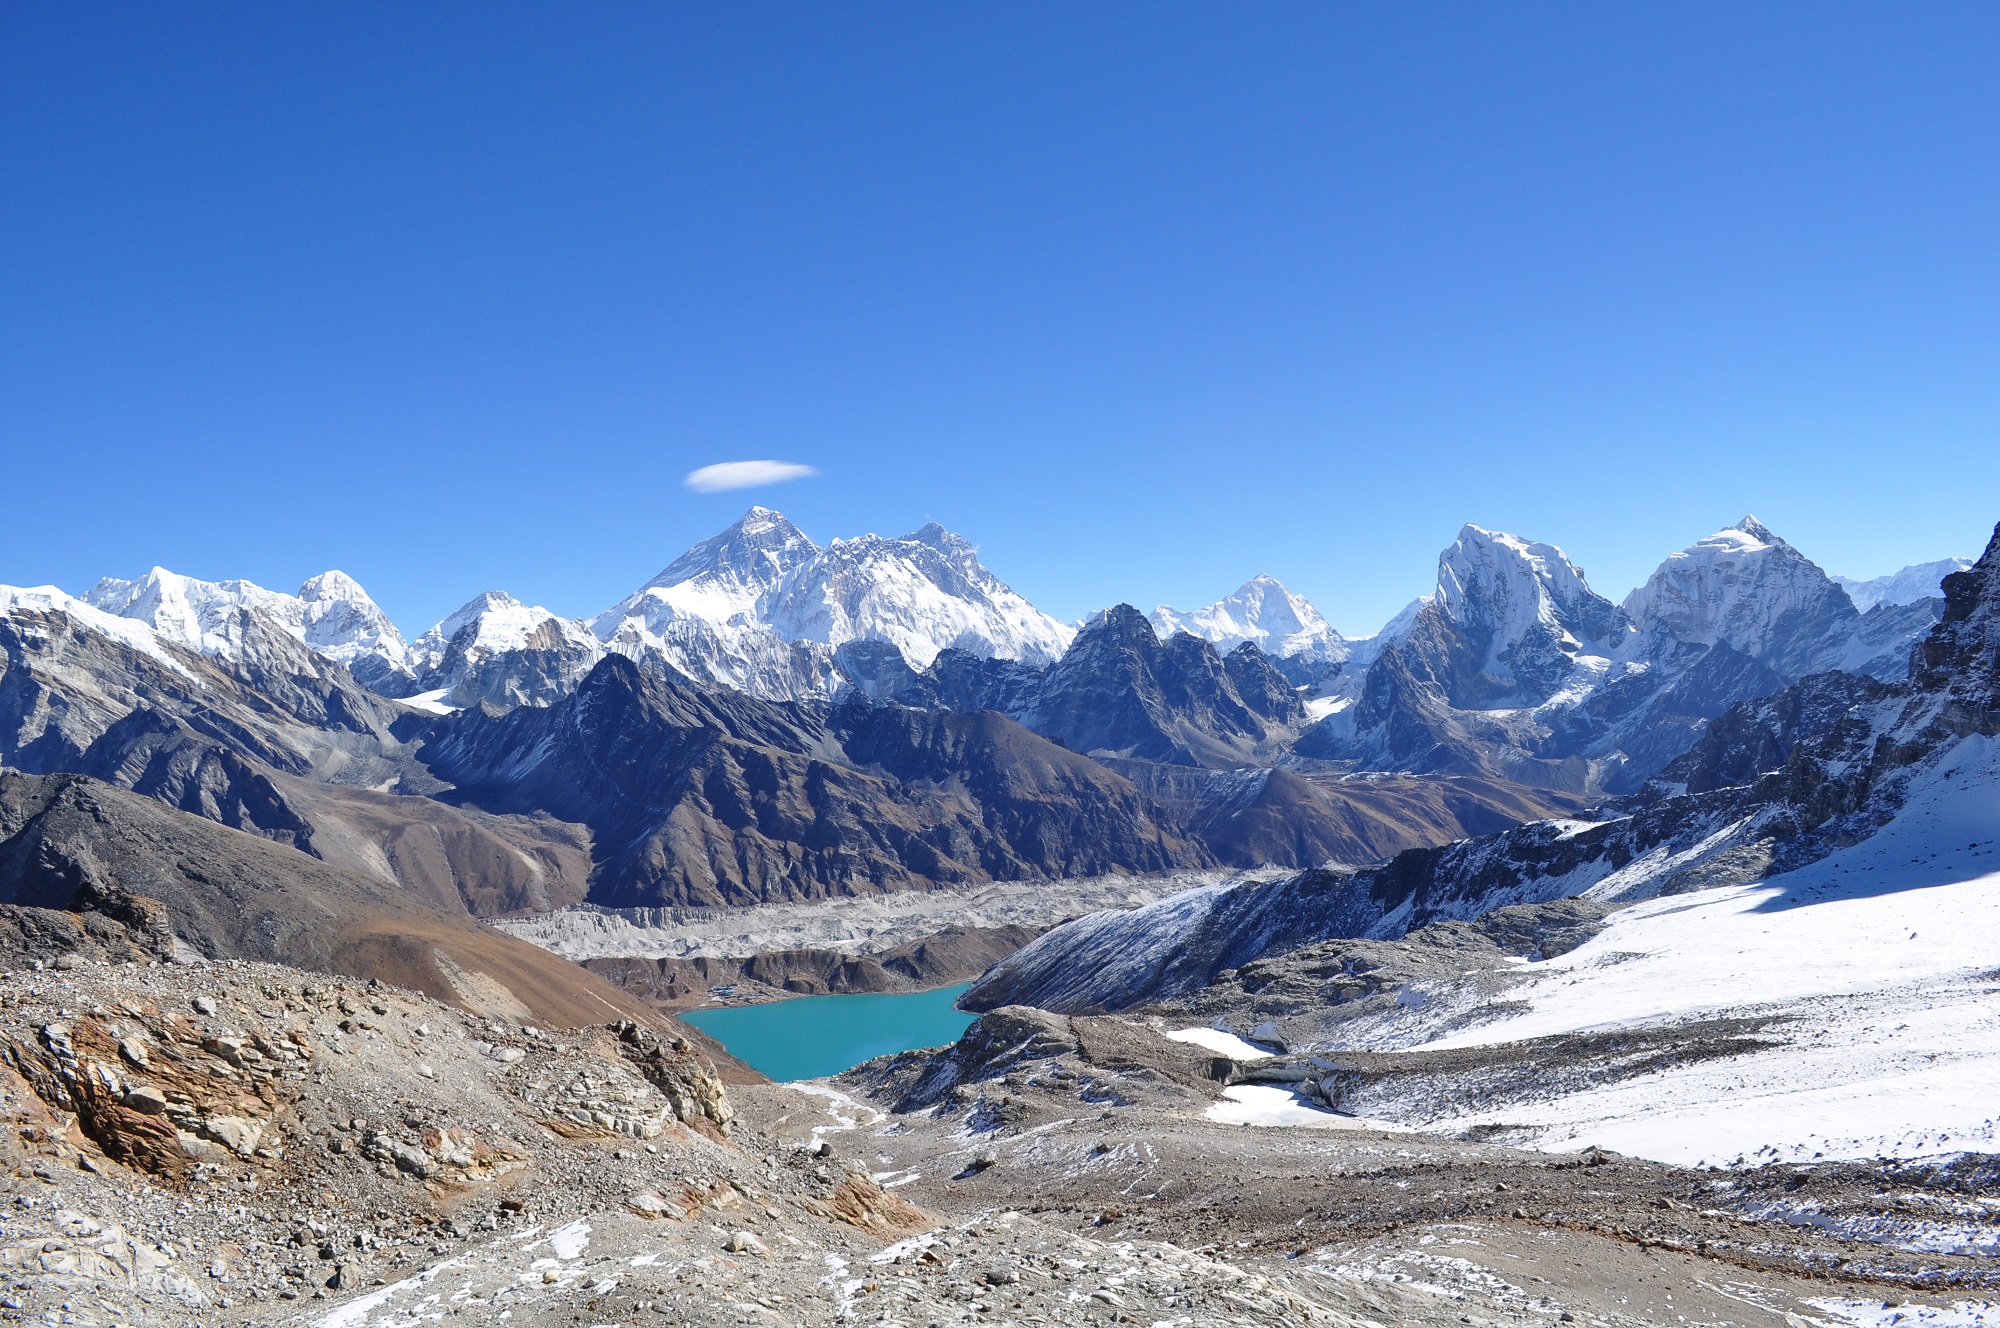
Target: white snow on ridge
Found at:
x=1879, y=958
x=734, y=605
x=1263, y=613
x=48, y=599
x=1510, y=584
x=499, y=623
x=332, y=614
x=1743, y=587
x=718, y=580
x=923, y=593
x=1912, y=583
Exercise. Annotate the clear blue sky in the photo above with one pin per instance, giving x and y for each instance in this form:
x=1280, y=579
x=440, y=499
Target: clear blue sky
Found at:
x=1143, y=299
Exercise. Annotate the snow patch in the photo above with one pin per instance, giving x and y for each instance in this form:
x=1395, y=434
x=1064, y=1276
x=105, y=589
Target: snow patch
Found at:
x=1222, y=1044
x=1268, y=1105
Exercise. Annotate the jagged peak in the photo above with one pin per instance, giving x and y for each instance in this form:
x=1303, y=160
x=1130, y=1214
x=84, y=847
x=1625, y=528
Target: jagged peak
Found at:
x=1482, y=561
x=487, y=600
x=1121, y=620
x=1759, y=534
x=1751, y=526
x=756, y=549
x=1747, y=536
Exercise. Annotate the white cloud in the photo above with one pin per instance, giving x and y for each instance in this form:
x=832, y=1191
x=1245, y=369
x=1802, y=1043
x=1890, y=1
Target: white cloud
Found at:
x=745, y=475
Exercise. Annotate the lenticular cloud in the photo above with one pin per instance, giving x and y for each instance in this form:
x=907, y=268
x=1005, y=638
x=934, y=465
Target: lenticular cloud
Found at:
x=745, y=475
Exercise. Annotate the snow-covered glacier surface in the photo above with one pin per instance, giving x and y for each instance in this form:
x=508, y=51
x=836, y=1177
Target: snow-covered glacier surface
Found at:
x=1878, y=961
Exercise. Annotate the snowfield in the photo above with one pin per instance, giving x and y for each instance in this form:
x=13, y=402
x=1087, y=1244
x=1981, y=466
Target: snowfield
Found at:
x=1268, y=1104
x=1879, y=963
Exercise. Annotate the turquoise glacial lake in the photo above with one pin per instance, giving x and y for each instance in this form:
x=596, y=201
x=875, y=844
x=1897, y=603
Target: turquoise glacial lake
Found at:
x=814, y=1036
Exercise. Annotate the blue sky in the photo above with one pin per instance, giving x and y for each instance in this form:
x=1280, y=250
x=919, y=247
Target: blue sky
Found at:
x=1144, y=299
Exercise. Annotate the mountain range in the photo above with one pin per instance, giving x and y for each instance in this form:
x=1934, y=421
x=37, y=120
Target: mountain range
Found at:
x=769, y=718
x=1776, y=784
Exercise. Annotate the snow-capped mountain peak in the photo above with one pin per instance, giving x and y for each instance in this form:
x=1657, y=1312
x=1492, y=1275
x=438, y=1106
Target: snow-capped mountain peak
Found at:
x=1266, y=614
x=1916, y=582
x=1755, y=529
x=340, y=620
x=718, y=581
x=497, y=622
x=747, y=558
x=1500, y=583
x=923, y=593
x=128, y=632
x=194, y=614
x=331, y=613
x=495, y=648
x=1748, y=589
x=761, y=607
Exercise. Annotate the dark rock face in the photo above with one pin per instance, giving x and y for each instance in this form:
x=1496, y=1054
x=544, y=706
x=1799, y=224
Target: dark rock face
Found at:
x=1118, y=691
x=192, y=733
x=1299, y=818
x=957, y=680
x=1890, y=628
x=1121, y=691
x=1959, y=661
x=716, y=798
x=300, y=763
x=1753, y=737
x=547, y=666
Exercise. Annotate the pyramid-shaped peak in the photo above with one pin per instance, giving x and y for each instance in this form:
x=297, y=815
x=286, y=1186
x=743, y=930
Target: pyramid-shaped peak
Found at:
x=752, y=552
x=934, y=536
x=1756, y=530
x=488, y=599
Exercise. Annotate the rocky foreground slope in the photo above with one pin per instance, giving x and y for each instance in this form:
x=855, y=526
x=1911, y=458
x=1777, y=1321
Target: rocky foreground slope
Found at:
x=231, y=1143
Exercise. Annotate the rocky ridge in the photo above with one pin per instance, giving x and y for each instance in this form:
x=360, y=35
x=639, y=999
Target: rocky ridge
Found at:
x=716, y=798
x=1516, y=669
